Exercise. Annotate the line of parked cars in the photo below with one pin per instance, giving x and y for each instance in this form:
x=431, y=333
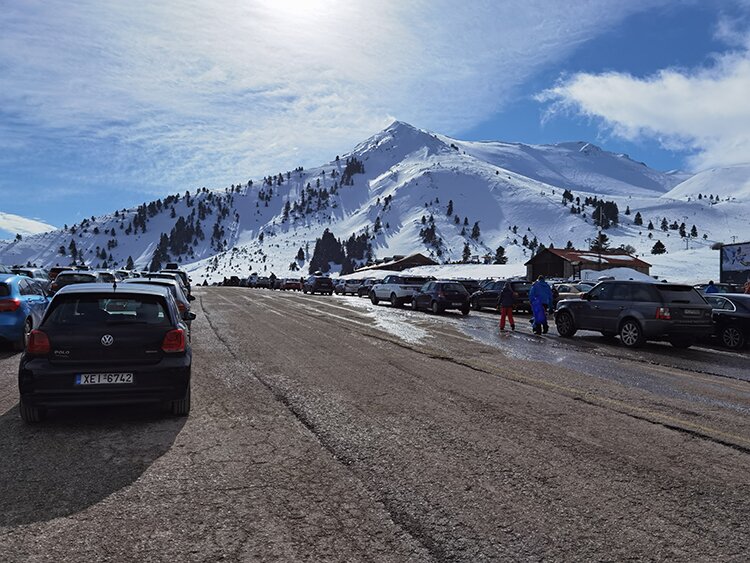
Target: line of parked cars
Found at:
x=99, y=338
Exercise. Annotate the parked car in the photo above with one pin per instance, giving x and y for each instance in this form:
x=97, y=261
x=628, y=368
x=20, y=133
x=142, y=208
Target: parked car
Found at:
x=489, y=295
x=348, y=286
x=397, y=289
x=439, y=296
x=318, y=284
x=173, y=269
x=101, y=345
x=175, y=275
x=264, y=282
x=721, y=287
x=34, y=273
x=566, y=290
x=22, y=304
x=175, y=288
x=70, y=277
x=731, y=315
x=291, y=284
x=638, y=311
x=363, y=290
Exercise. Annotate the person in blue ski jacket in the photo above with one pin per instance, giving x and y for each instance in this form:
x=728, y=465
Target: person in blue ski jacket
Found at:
x=541, y=294
x=711, y=288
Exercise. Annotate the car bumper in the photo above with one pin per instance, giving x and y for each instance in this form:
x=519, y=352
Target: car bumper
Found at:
x=660, y=329
x=43, y=384
x=11, y=325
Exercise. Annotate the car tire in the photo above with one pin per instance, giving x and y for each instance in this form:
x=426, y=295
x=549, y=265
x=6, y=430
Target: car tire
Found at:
x=414, y=306
x=631, y=333
x=476, y=306
x=682, y=343
x=20, y=345
x=181, y=407
x=732, y=337
x=565, y=325
x=394, y=301
x=29, y=413
x=374, y=298
x=436, y=308
x=465, y=311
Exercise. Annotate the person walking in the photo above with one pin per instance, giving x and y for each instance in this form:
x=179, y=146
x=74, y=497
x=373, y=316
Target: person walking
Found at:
x=540, y=297
x=507, y=300
x=711, y=288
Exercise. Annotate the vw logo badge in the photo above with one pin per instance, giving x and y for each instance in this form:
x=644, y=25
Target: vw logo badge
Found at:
x=107, y=340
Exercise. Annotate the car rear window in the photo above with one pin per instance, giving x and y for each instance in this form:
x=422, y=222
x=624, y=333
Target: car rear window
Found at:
x=415, y=281
x=680, y=294
x=123, y=309
x=521, y=286
x=75, y=278
x=454, y=287
x=4, y=290
x=107, y=277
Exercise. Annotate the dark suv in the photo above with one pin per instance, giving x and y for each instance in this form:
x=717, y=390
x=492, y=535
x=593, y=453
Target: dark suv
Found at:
x=638, y=311
x=438, y=296
x=319, y=284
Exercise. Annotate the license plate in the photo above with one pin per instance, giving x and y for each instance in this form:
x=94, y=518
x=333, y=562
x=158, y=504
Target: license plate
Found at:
x=104, y=378
x=693, y=312
x=456, y=304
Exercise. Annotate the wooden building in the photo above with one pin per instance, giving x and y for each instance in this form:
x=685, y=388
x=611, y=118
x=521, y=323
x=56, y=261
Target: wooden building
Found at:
x=563, y=263
x=399, y=263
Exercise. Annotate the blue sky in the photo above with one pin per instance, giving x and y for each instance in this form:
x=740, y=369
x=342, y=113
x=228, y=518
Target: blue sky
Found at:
x=104, y=105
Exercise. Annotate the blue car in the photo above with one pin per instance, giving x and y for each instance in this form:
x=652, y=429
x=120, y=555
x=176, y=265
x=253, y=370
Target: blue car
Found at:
x=22, y=304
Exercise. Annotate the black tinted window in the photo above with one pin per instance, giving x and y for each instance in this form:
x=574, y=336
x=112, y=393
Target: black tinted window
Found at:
x=4, y=290
x=621, y=292
x=680, y=294
x=92, y=309
x=454, y=287
x=75, y=278
x=644, y=293
x=601, y=292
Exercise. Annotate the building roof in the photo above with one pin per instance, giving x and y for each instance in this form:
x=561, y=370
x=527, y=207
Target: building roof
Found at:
x=402, y=263
x=611, y=258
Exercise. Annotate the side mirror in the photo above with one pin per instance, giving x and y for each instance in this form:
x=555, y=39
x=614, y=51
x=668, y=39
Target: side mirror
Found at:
x=586, y=296
x=189, y=316
x=191, y=297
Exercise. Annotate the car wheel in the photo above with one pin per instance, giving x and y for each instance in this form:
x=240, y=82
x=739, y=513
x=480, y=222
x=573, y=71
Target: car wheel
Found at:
x=465, y=311
x=631, y=334
x=414, y=306
x=181, y=407
x=374, y=298
x=436, y=308
x=565, y=325
x=476, y=306
x=683, y=343
x=732, y=337
x=29, y=413
x=394, y=301
x=20, y=344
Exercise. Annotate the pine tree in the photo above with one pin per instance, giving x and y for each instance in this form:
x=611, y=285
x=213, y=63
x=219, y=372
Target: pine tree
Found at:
x=638, y=220
x=450, y=208
x=658, y=248
x=467, y=253
x=664, y=224
x=130, y=265
x=500, y=257
x=650, y=226
x=569, y=245
x=475, y=231
x=694, y=232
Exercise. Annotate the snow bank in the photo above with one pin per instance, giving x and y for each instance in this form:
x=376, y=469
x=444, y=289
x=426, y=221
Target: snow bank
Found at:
x=616, y=273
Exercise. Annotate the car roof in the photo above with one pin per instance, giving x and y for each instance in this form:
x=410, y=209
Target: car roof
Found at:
x=132, y=288
x=9, y=277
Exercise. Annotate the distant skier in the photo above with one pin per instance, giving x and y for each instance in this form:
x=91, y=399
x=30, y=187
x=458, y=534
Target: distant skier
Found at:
x=711, y=288
x=540, y=297
x=507, y=300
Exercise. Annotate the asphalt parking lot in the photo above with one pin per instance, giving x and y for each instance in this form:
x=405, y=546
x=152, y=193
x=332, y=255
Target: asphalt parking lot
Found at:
x=329, y=429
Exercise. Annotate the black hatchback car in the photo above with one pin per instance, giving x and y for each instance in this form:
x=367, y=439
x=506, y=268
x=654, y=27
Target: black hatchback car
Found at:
x=439, y=296
x=731, y=313
x=103, y=344
x=318, y=284
x=638, y=311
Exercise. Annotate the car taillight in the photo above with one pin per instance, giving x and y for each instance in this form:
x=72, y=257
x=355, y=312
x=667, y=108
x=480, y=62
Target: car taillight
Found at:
x=38, y=343
x=174, y=341
x=663, y=313
x=181, y=306
x=9, y=305
x=441, y=294
x=55, y=286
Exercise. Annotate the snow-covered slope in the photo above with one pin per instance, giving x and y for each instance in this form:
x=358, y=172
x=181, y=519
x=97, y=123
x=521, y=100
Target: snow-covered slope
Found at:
x=394, y=191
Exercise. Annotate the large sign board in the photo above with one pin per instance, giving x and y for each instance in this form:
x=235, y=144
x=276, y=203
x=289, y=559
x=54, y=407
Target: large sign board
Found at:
x=735, y=263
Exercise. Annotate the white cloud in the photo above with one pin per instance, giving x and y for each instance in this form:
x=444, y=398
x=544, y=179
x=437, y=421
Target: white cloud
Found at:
x=206, y=93
x=15, y=224
x=703, y=110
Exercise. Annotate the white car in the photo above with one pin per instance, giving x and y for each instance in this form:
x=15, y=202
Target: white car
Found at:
x=397, y=289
